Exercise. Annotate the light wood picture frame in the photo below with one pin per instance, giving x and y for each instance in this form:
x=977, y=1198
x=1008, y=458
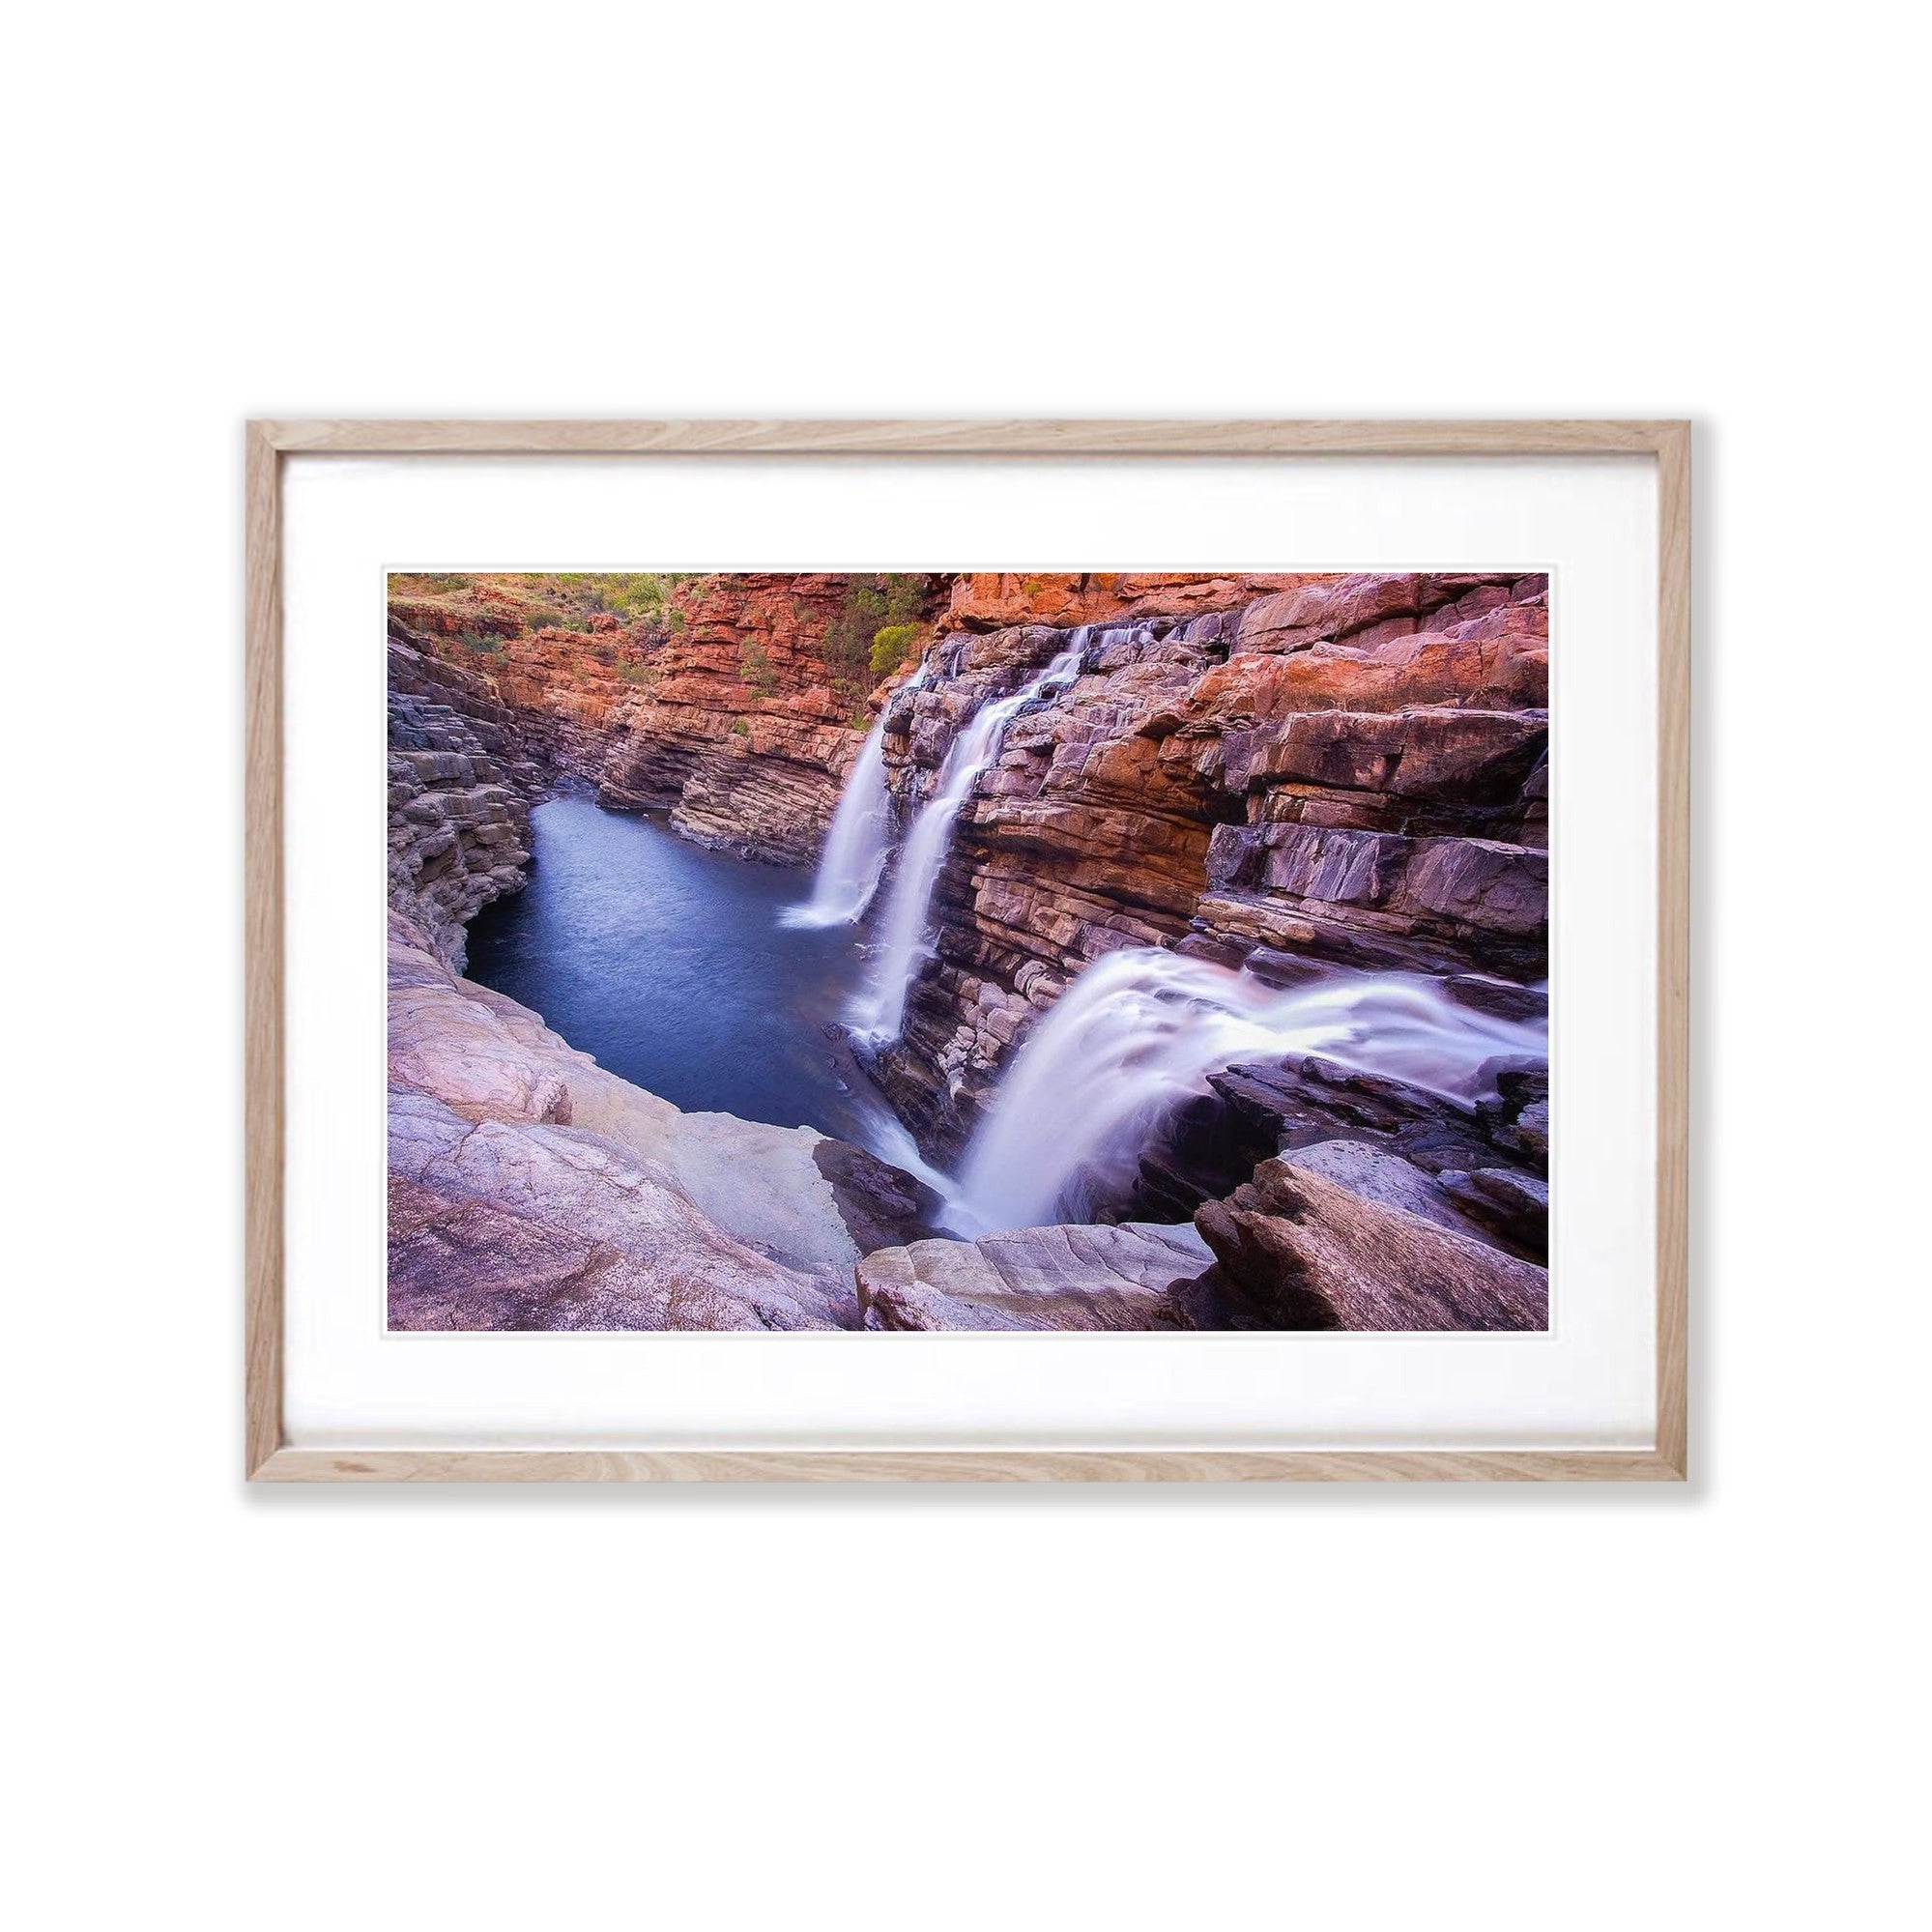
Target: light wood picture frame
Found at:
x=268, y=1455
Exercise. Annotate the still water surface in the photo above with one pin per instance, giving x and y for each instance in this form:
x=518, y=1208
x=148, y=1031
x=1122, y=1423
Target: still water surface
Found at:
x=667, y=963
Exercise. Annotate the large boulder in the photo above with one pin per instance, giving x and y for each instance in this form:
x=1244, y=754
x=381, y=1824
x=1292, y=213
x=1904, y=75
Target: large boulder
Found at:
x=461, y=1049
x=1295, y=1250
x=1036, y=1277
x=496, y=1225
x=1373, y=1174
x=530, y=1188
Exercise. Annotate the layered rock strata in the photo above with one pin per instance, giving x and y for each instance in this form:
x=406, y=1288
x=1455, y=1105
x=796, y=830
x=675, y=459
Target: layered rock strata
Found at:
x=458, y=825
x=1342, y=770
x=1131, y=1275
x=1294, y=1249
x=1482, y=1169
x=557, y=689
x=744, y=734
x=984, y=600
x=1312, y=1241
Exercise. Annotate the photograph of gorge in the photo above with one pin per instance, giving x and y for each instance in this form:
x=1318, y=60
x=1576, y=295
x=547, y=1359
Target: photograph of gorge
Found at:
x=967, y=951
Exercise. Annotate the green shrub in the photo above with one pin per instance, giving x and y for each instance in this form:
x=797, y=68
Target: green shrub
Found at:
x=637, y=593
x=639, y=673
x=755, y=669
x=677, y=623
x=872, y=601
x=890, y=648
x=482, y=643
x=741, y=727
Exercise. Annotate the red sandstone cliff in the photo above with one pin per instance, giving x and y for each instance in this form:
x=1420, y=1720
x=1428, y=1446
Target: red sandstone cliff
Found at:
x=726, y=705
x=744, y=730
x=1349, y=770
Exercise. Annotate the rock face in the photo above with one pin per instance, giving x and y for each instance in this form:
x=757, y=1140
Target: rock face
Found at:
x=999, y=600
x=458, y=827
x=492, y=1226
x=1316, y=769
x=555, y=688
x=728, y=708
x=1295, y=1250
x=1131, y=1275
x=744, y=734
x=1383, y=1138
x=530, y=1189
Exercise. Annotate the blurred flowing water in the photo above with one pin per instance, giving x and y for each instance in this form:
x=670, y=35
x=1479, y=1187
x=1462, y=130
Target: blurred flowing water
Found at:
x=904, y=938
x=859, y=841
x=1139, y=1031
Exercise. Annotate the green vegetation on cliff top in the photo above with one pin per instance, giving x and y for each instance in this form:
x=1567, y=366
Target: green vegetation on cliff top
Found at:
x=625, y=615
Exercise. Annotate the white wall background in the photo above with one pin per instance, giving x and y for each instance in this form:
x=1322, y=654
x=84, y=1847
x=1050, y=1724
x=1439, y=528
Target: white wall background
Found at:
x=1336, y=1709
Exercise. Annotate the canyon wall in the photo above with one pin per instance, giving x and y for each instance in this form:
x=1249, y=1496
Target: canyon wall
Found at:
x=742, y=733
x=558, y=688
x=984, y=600
x=489, y=712
x=727, y=708
x=1335, y=771
x=459, y=779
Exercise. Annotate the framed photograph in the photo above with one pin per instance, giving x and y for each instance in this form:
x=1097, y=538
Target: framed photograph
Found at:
x=966, y=951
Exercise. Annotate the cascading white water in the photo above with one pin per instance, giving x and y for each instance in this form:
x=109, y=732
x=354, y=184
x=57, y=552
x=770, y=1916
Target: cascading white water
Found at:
x=1141, y=1029
x=860, y=840
x=879, y=1011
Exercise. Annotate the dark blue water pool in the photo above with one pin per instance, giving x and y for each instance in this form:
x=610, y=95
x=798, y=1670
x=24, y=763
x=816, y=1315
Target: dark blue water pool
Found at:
x=667, y=963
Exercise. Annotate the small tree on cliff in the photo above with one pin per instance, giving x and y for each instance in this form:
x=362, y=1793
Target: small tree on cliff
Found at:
x=755, y=669
x=890, y=648
x=872, y=601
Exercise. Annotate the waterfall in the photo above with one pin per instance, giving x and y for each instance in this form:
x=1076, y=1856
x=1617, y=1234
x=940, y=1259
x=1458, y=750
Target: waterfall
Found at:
x=859, y=841
x=1141, y=1029
x=879, y=1011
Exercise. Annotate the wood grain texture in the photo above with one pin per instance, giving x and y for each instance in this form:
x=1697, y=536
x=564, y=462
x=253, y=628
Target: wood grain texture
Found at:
x=1673, y=947
x=262, y=1342
x=942, y=438
x=946, y=1465
x=269, y=1460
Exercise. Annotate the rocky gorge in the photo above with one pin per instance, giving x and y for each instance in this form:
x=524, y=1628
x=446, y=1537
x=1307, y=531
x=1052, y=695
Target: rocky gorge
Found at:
x=1319, y=799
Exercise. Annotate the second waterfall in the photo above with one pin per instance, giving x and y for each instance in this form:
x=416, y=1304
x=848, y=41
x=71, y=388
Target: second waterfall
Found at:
x=860, y=840
x=878, y=1013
